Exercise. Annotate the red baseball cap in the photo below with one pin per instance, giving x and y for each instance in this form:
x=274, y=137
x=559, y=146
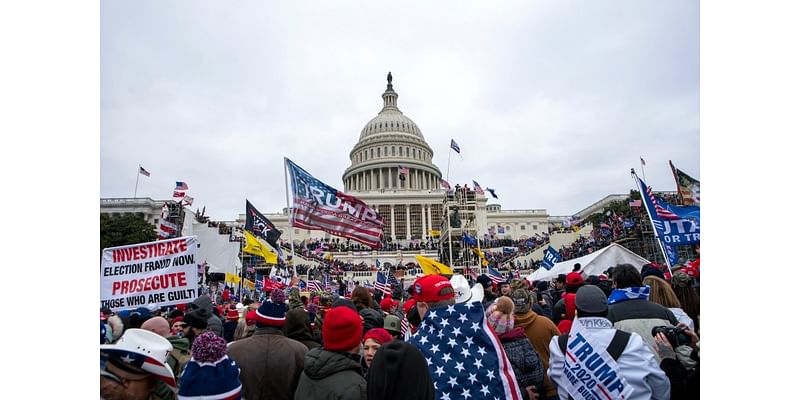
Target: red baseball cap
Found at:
x=408, y=304
x=433, y=288
x=574, y=279
x=387, y=303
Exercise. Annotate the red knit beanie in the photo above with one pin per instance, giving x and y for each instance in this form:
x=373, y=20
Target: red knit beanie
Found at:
x=341, y=329
x=379, y=335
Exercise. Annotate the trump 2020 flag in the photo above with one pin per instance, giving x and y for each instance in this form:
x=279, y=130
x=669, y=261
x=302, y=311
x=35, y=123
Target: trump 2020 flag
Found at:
x=318, y=206
x=551, y=257
x=675, y=226
x=464, y=356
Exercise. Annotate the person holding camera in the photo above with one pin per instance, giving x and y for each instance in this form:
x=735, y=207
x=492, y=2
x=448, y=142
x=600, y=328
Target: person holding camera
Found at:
x=592, y=338
x=684, y=382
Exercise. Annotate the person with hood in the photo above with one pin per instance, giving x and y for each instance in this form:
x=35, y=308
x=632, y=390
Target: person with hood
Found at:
x=270, y=362
x=333, y=371
x=214, y=323
x=298, y=327
x=488, y=293
x=538, y=329
x=527, y=364
x=399, y=372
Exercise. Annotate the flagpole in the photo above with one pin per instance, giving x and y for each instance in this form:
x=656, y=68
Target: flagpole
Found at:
x=641, y=165
x=241, y=257
x=136, y=189
x=449, y=152
x=291, y=213
x=652, y=224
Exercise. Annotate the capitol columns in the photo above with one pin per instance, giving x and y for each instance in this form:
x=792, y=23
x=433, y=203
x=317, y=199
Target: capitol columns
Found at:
x=408, y=222
x=423, y=207
x=392, y=212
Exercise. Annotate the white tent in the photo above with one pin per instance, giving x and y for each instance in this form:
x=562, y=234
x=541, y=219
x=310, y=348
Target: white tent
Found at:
x=592, y=264
x=217, y=250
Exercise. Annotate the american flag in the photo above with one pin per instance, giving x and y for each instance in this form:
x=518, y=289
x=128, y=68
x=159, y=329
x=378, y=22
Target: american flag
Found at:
x=661, y=212
x=314, y=286
x=392, y=280
x=454, y=146
x=143, y=171
x=181, y=186
x=403, y=170
x=318, y=206
x=494, y=275
x=478, y=188
x=464, y=356
x=188, y=200
x=635, y=203
x=405, y=329
x=178, y=194
x=446, y=185
x=381, y=284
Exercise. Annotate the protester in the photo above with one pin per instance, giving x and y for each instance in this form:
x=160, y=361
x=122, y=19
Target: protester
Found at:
x=457, y=337
x=195, y=323
x=488, y=291
x=629, y=308
x=573, y=282
x=682, y=285
x=177, y=326
x=131, y=367
x=298, y=327
x=371, y=342
x=389, y=305
x=662, y=293
x=633, y=360
x=270, y=362
x=393, y=325
x=365, y=305
x=538, y=329
x=231, y=322
x=684, y=382
x=213, y=322
x=527, y=364
x=333, y=370
x=246, y=326
x=399, y=372
x=210, y=374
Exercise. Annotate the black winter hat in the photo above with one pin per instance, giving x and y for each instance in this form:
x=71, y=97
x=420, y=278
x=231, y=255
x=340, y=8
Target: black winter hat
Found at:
x=399, y=371
x=485, y=281
x=197, y=318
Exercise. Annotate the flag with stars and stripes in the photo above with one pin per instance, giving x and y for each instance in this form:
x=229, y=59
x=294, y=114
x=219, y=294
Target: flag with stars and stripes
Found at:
x=314, y=286
x=464, y=356
x=382, y=285
x=391, y=280
x=494, y=275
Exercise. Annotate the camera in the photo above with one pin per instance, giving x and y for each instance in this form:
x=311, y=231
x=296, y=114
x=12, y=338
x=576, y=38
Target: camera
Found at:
x=674, y=334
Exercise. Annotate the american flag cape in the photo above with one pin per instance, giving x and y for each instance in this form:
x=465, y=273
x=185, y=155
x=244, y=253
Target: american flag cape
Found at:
x=382, y=285
x=464, y=356
x=318, y=206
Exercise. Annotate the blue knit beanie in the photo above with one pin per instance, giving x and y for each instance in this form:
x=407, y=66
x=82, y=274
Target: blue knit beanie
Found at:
x=210, y=374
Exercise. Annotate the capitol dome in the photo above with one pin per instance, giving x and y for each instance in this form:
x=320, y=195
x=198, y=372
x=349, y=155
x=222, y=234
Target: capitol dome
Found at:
x=391, y=153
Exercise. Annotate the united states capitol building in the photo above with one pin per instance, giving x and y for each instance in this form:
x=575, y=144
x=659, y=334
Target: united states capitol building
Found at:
x=411, y=202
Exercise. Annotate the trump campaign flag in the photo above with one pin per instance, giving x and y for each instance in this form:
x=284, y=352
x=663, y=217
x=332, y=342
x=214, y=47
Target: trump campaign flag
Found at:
x=674, y=225
x=464, y=356
x=551, y=257
x=318, y=206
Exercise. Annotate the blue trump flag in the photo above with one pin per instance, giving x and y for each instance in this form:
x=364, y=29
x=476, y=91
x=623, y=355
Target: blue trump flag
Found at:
x=671, y=228
x=551, y=257
x=464, y=356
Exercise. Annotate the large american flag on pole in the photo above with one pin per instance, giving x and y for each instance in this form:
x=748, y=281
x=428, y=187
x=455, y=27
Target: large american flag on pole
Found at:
x=464, y=356
x=314, y=286
x=494, y=275
x=318, y=206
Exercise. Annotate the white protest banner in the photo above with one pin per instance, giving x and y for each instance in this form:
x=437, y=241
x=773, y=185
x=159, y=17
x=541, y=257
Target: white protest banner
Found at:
x=589, y=372
x=158, y=273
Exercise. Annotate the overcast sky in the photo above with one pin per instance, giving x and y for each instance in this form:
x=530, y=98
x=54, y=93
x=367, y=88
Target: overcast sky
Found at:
x=551, y=102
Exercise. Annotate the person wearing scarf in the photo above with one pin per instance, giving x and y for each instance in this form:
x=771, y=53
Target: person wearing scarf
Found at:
x=629, y=308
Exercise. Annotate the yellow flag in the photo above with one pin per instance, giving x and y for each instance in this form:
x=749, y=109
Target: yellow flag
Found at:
x=479, y=253
x=255, y=246
x=249, y=284
x=229, y=277
x=433, y=267
x=434, y=233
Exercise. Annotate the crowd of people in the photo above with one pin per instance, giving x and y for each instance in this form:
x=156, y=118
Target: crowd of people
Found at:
x=442, y=338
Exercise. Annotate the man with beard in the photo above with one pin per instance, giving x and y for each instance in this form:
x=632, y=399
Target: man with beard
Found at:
x=195, y=323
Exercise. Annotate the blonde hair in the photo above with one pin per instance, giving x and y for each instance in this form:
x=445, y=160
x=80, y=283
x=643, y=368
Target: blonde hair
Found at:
x=661, y=292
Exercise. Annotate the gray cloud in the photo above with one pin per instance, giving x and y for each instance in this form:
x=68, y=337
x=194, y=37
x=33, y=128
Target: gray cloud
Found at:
x=552, y=103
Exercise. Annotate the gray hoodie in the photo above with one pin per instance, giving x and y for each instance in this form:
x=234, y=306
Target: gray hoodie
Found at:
x=214, y=323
